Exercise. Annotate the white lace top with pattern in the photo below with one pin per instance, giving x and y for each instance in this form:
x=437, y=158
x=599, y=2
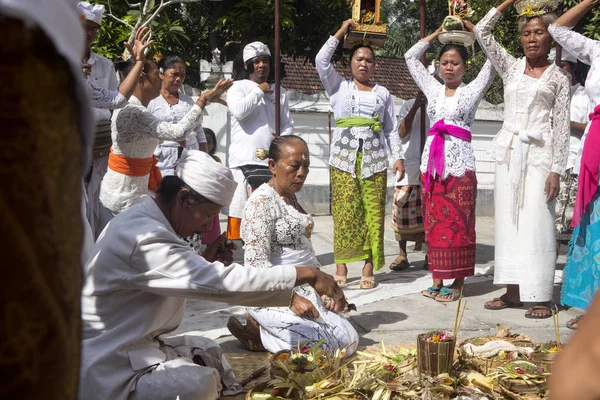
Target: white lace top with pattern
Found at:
x=347, y=101
x=135, y=134
x=458, y=110
x=104, y=98
x=530, y=105
x=271, y=226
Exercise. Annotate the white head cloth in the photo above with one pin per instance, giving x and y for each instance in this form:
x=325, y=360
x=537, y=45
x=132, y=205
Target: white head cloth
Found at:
x=91, y=12
x=206, y=176
x=564, y=56
x=255, y=49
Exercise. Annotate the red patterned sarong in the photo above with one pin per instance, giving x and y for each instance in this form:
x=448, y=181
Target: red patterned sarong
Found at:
x=449, y=218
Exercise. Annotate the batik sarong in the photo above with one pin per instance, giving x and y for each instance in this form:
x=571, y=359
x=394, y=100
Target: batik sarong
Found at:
x=358, y=207
x=407, y=218
x=565, y=204
x=449, y=211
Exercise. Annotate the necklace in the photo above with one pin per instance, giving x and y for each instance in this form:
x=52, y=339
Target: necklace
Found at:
x=289, y=200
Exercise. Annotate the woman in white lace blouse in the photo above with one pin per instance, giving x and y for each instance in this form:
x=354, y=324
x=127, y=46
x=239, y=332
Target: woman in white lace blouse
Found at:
x=276, y=230
x=531, y=152
x=172, y=106
x=365, y=121
x=135, y=134
x=448, y=164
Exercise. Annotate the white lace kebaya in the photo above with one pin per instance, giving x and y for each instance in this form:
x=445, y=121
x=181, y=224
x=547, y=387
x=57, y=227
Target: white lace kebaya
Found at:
x=135, y=134
x=458, y=110
x=347, y=101
x=104, y=98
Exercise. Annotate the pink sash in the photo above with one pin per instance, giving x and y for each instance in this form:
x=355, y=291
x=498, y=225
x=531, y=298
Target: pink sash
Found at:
x=588, y=172
x=436, y=151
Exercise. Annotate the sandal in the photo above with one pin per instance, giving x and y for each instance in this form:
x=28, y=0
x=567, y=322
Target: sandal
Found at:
x=367, y=282
x=432, y=292
x=548, y=314
x=572, y=323
x=505, y=304
x=247, y=340
x=455, y=293
x=400, y=264
x=340, y=280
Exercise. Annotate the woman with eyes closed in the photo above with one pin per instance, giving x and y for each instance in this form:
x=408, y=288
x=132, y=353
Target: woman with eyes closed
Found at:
x=365, y=122
x=531, y=152
x=448, y=164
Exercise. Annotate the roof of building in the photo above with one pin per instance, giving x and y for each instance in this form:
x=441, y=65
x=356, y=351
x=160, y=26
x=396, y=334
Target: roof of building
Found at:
x=392, y=73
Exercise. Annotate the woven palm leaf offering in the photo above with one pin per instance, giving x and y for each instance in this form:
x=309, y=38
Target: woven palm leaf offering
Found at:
x=435, y=352
x=369, y=27
x=453, y=29
x=306, y=373
x=535, y=8
x=522, y=377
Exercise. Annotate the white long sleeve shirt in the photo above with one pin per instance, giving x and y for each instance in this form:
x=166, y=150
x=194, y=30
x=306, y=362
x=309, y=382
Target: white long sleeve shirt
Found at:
x=135, y=288
x=253, y=122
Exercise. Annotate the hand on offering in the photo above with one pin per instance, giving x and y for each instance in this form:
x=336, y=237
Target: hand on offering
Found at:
x=326, y=285
x=220, y=250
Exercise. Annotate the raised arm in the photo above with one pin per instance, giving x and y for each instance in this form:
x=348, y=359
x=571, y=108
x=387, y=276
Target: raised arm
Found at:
x=330, y=79
x=424, y=80
x=242, y=103
x=287, y=123
x=257, y=228
x=501, y=60
x=572, y=16
x=480, y=85
x=102, y=98
x=585, y=49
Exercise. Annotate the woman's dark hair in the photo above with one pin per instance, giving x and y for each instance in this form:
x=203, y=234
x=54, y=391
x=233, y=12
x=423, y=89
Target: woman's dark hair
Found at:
x=280, y=141
x=209, y=132
x=461, y=50
x=124, y=67
x=171, y=185
x=361, y=46
x=167, y=62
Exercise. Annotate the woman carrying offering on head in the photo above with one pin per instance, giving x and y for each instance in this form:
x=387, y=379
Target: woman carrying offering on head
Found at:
x=365, y=122
x=448, y=164
x=276, y=230
x=531, y=152
x=581, y=280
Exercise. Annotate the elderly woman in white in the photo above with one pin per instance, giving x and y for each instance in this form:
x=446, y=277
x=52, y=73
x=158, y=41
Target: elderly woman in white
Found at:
x=137, y=281
x=276, y=230
x=531, y=152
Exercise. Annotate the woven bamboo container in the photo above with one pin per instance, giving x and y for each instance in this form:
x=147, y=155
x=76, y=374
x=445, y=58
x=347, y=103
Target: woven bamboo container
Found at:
x=489, y=365
x=276, y=370
x=544, y=360
x=434, y=358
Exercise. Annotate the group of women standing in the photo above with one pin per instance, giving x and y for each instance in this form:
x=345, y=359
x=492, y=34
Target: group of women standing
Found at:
x=530, y=152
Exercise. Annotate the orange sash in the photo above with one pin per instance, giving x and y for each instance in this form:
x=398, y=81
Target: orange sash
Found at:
x=136, y=167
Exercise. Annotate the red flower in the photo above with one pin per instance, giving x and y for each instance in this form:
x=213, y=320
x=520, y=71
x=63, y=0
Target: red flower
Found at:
x=304, y=349
x=520, y=371
x=389, y=367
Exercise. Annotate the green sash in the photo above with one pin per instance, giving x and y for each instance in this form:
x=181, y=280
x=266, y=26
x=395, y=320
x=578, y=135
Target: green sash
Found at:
x=349, y=122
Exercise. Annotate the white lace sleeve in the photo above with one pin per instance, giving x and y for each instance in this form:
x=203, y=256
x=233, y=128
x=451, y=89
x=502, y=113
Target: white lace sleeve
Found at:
x=330, y=79
x=390, y=130
x=427, y=83
x=561, y=126
x=484, y=79
x=585, y=49
x=257, y=229
x=102, y=98
x=140, y=120
x=501, y=60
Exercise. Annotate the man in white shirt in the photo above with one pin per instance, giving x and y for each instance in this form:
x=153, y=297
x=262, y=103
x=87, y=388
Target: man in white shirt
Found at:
x=137, y=281
x=252, y=104
x=407, y=218
x=101, y=72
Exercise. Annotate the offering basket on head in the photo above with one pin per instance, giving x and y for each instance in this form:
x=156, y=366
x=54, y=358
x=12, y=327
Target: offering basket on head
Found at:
x=369, y=28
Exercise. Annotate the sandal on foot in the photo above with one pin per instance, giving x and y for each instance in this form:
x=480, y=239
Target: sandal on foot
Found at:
x=455, y=293
x=505, y=304
x=340, y=280
x=246, y=339
x=400, y=264
x=367, y=282
x=432, y=292
x=572, y=323
x=547, y=314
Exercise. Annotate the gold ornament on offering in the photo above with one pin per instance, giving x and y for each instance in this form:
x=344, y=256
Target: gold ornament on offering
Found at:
x=535, y=8
x=369, y=29
x=453, y=30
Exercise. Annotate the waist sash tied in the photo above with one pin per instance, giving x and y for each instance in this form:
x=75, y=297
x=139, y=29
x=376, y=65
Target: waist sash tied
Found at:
x=517, y=165
x=350, y=122
x=136, y=167
x=436, y=162
x=588, y=172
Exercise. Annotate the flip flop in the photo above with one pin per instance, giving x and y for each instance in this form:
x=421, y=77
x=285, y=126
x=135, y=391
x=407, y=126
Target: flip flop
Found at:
x=432, y=292
x=247, y=340
x=400, y=264
x=447, y=292
x=367, y=282
x=571, y=324
x=505, y=304
x=529, y=313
